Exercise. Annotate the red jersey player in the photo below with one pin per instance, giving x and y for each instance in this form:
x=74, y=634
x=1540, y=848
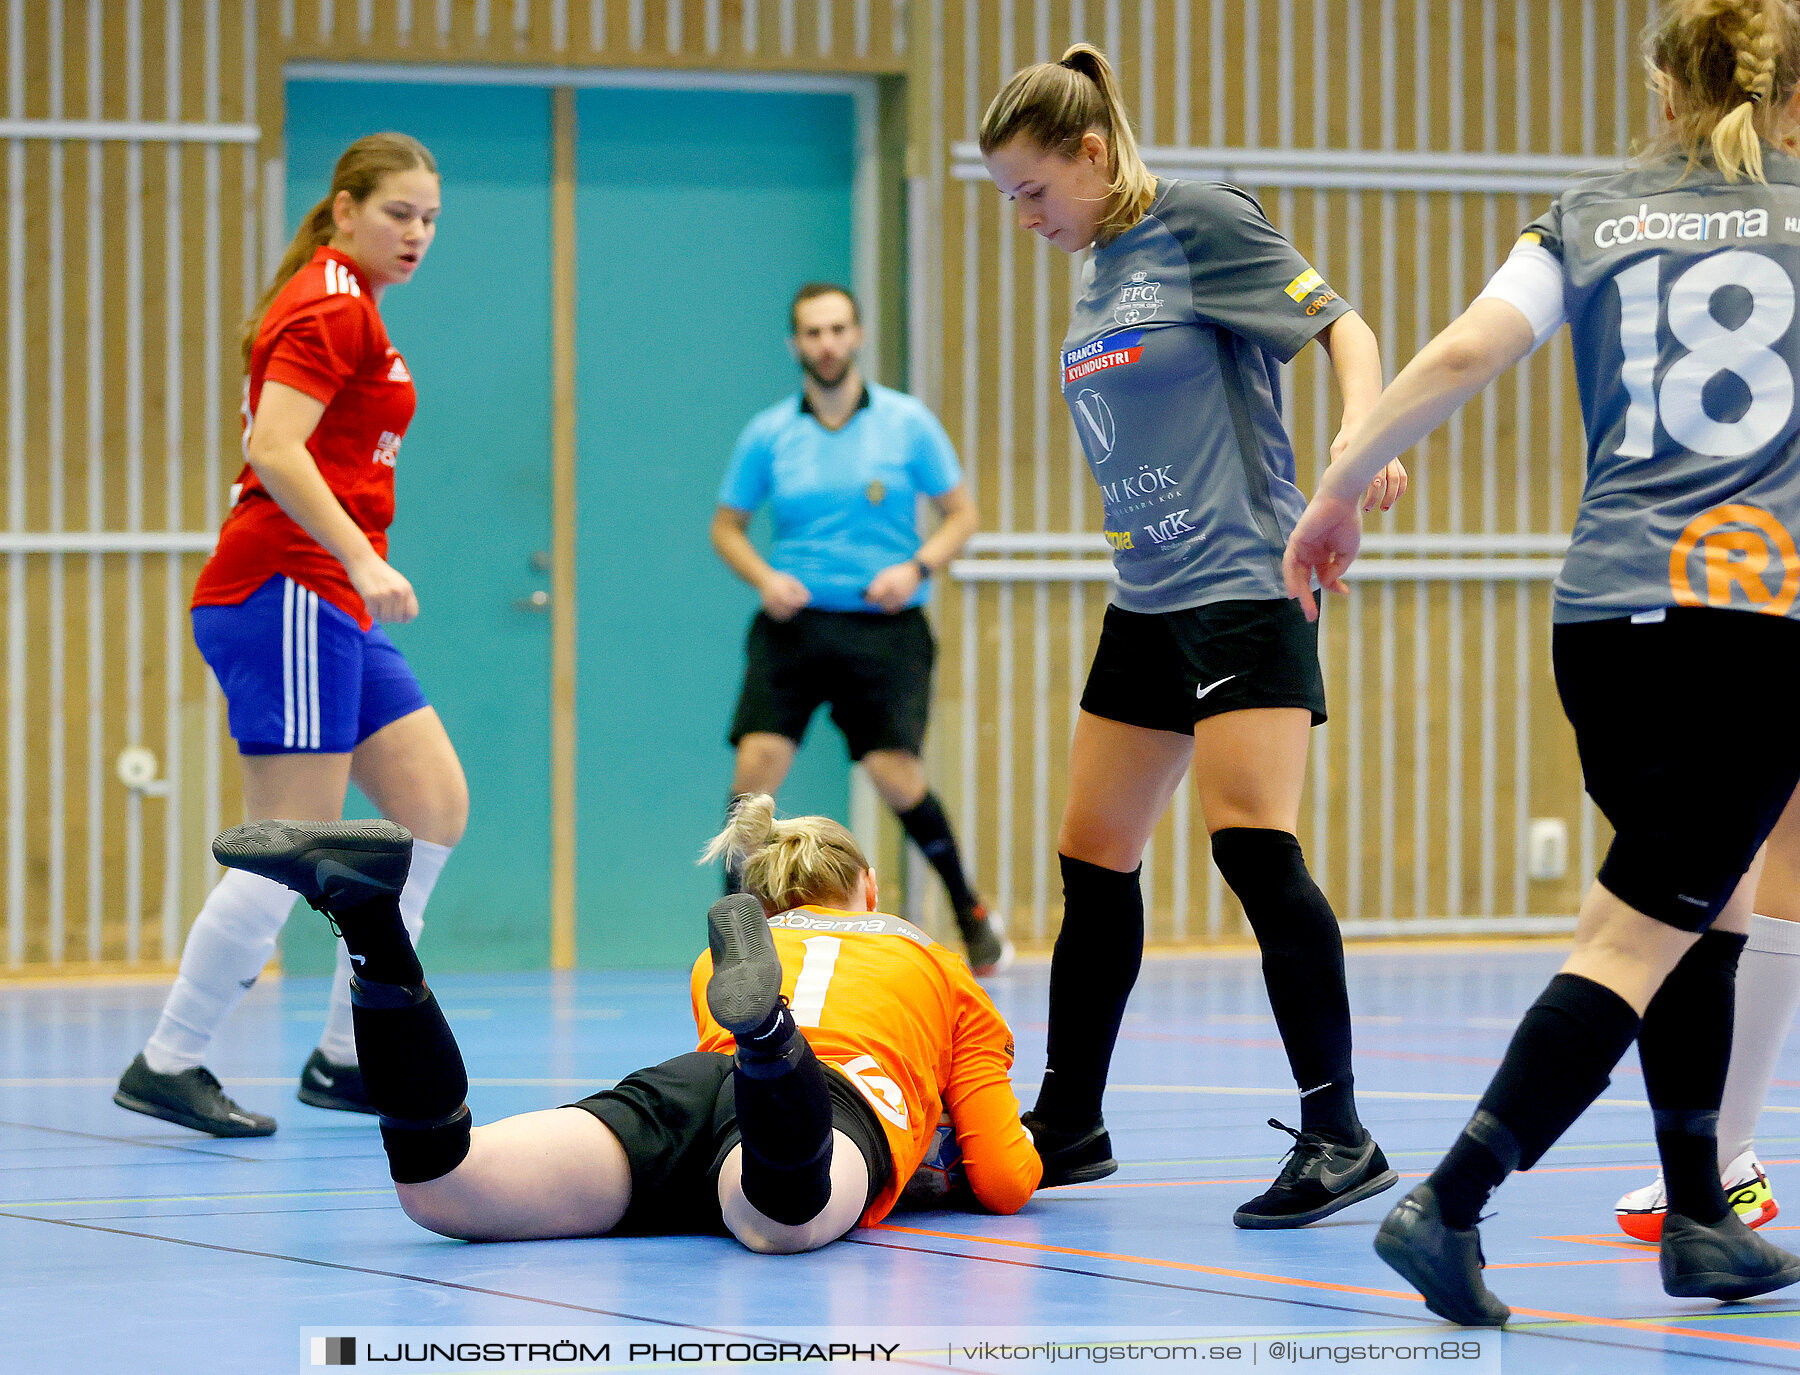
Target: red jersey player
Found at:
x=829, y=1049
x=286, y=612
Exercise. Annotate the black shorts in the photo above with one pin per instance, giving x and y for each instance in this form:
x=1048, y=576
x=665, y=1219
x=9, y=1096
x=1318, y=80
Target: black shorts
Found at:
x=1688, y=746
x=1170, y=669
x=874, y=670
x=678, y=1122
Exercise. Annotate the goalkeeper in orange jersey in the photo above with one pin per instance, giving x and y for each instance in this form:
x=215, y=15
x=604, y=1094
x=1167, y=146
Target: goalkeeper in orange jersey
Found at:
x=833, y=1039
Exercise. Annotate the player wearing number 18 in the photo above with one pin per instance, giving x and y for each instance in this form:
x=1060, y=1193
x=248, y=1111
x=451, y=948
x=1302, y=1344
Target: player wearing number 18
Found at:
x=830, y=1048
x=1675, y=606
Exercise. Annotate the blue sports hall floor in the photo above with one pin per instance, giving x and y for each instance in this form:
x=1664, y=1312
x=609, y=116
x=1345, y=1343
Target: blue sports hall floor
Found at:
x=130, y=1245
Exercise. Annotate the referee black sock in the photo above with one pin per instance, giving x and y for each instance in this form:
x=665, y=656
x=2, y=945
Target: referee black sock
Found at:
x=784, y=1114
x=1303, y=967
x=1095, y=963
x=1684, y=1047
x=376, y=938
x=930, y=831
x=1559, y=1061
x=414, y=1075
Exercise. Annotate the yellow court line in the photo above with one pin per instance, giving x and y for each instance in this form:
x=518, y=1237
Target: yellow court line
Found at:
x=197, y=1198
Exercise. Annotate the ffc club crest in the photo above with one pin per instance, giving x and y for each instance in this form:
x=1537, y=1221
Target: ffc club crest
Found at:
x=1138, y=299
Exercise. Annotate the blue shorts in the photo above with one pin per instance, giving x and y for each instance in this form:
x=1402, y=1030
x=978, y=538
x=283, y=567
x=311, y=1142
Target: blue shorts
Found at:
x=299, y=675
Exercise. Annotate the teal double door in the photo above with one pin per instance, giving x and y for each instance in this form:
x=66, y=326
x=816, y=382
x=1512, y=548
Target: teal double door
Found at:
x=697, y=214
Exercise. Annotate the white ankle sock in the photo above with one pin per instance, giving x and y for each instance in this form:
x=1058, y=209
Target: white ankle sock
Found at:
x=230, y=942
x=1768, y=995
x=338, y=1041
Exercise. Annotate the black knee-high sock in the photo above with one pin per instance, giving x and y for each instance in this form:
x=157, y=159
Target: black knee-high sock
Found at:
x=1560, y=1060
x=1684, y=1046
x=930, y=831
x=1303, y=967
x=411, y=1066
x=734, y=872
x=1098, y=953
x=784, y=1115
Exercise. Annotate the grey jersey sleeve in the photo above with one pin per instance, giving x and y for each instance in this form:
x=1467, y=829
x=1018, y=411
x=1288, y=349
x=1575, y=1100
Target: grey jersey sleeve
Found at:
x=1245, y=276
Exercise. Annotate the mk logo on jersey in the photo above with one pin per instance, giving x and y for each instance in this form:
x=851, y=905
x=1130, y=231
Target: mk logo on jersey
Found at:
x=1692, y=226
x=1114, y=351
x=388, y=450
x=1170, y=527
x=398, y=372
x=339, y=280
x=1138, y=299
x=1739, y=550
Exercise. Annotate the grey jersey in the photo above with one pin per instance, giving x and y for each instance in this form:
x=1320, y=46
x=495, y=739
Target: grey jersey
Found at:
x=1171, y=370
x=1679, y=294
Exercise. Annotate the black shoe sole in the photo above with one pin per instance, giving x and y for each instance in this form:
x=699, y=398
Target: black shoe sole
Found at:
x=292, y=853
x=1080, y=1174
x=223, y=1130
x=745, y=987
x=315, y=1098
x=1726, y=1286
x=1266, y=1222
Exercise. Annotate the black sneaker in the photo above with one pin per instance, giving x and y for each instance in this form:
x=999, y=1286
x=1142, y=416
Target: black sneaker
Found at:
x=192, y=1098
x=745, y=987
x=1319, y=1177
x=984, y=936
x=332, y=864
x=1071, y=1156
x=338, y=1087
x=1724, y=1261
x=1442, y=1262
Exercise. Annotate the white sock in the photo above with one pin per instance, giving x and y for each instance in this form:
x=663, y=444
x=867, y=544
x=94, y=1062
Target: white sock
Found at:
x=230, y=942
x=338, y=1041
x=1768, y=995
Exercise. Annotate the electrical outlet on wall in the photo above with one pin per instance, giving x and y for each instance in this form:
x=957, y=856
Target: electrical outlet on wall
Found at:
x=1547, y=849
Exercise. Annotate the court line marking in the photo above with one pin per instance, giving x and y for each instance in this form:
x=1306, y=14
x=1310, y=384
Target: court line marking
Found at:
x=129, y=1141
x=1630, y=1324
x=261, y=1082
x=193, y=1198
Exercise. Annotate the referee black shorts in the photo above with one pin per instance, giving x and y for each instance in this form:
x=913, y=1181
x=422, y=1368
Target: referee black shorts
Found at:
x=874, y=670
x=1688, y=745
x=1170, y=669
x=678, y=1121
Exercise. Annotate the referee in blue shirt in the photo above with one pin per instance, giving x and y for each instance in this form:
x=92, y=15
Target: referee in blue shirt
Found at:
x=842, y=466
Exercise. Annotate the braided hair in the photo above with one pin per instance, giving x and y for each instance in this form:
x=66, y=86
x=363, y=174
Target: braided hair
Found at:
x=1726, y=70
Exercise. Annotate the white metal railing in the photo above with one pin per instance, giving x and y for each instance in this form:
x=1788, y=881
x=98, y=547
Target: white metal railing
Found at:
x=127, y=131
x=1348, y=169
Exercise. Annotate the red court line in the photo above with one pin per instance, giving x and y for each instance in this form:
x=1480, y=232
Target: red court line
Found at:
x=1293, y=1281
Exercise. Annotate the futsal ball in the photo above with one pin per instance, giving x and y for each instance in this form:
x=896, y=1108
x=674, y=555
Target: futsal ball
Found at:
x=940, y=1173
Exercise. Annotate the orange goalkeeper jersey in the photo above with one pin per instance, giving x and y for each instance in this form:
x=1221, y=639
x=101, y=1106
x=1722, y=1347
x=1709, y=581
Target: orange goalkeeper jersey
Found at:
x=905, y=1020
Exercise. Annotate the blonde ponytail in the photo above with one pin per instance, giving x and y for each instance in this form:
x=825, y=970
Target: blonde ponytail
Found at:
x=1726, y=69
x=358, y=172
x=785, y=864
x=1054, y=104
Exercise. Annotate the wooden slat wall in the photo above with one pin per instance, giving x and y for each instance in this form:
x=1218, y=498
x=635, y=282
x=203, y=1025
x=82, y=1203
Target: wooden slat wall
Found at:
x=121, y=386
x=746, y=35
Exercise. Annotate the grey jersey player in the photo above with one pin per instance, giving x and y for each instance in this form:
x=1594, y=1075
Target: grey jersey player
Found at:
x=1190, y=304
x=1677, y=280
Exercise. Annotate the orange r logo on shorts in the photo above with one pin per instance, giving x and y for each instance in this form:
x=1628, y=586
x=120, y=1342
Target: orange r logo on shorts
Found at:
x=1740, y=549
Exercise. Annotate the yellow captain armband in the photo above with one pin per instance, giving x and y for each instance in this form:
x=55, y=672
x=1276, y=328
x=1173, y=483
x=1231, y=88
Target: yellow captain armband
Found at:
x=1531, y=236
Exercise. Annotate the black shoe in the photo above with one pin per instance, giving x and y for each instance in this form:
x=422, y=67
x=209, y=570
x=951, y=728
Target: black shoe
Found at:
x=192, y=1098
x=1320, y=1177
x=1724, y=1261
x=1443, y=1263
x=1071, y=1156
x=984, y=937
x=332, y=864
x=338, y=1087
x=745, y=987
